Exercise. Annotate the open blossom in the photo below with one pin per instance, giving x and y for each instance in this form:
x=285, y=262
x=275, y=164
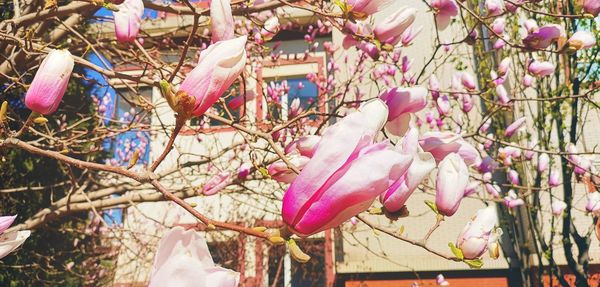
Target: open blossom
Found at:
x=444, y=11
x=219, y=66
x=183, y=260
x=479, y=234
x=221, y=20
x=401, y=103
x=511, y=200
x=440, y=144
x=270, y=29
x=544, y=36
x=514, y=127
x=50, y=82
x=390, y=30
x=451, y=182
x=558, y=206
x=348, y=171
x=422, y=164
x=217, y=183
x=582, y=40
x=128, y=20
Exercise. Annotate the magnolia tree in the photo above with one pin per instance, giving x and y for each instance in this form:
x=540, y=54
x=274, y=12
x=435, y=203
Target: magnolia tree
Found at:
x=508, y=128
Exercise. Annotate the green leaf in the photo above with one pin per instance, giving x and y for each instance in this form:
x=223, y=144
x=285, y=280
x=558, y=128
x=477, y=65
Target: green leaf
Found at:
x=474, y=263
x=431, y=205
x=456, y=251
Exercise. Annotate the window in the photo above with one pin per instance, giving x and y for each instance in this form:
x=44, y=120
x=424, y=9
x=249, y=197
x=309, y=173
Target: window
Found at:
x=281, y=84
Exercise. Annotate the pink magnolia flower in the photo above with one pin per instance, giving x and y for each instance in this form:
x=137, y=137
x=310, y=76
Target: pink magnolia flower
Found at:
x=217, y=183
x=434, y=87
x=513, y=176
x=441, y=281
x=529, y=153
x=493, y=190
x=527, y=80
x=543, y=161
x=183, y=260
x=502, y=95
x=50, y=82
x=504, y=66
x=530, y=25
x=558, y=206
x=244, y=170
x=499, y=25
x=582, y=40
x=544, y=36
x=443, y=105
x=440, y=144
x=219, y=66
x=593, y=204
x=239, y=100
x=422, y=164
x=591, y=7
x=444, y=11
x=363, y=8
x=468, y=81
x=270, y=29
x=451, y=182
x=6, y=222
x=479, y=234
x=541, y=69
x=511, y=200
x=305, y=145
x=128, y=20
x=281, y=172
x=494, y=7
x=554, y=178
x=514, y=127
x=221, y=21
x=390, y=30
x=370, y=49
x=409, y=35
x=401, y=102
x=347, y=172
